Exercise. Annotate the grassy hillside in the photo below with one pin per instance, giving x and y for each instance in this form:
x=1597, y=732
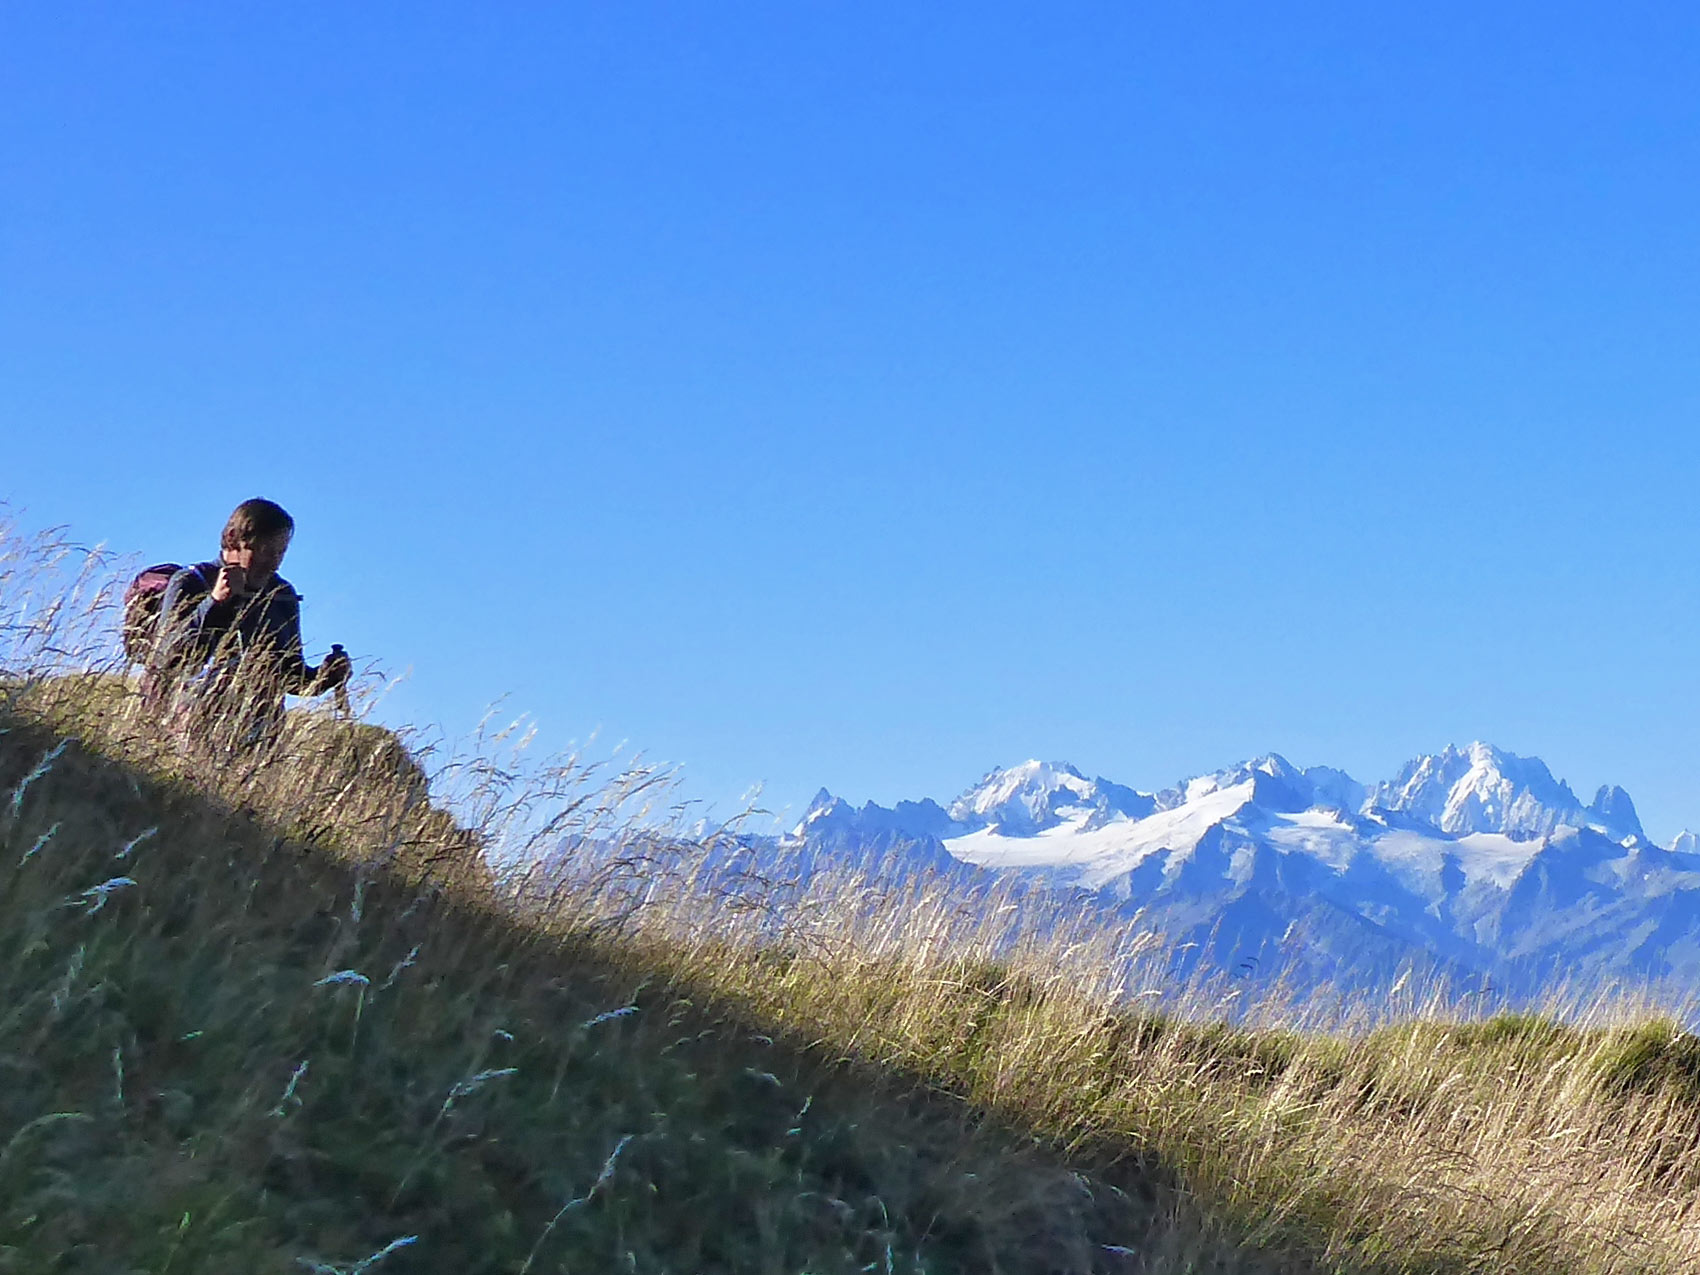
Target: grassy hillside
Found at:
x=230, y=1048
x=280, y=1018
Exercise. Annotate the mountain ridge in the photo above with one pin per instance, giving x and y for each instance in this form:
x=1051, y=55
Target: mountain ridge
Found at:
x=1472, y=860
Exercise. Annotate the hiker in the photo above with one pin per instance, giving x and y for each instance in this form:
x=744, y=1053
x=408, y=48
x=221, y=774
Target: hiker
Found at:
x=228, y=644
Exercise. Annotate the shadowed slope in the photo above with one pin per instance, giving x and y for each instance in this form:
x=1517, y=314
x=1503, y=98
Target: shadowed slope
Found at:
x=224, y=1049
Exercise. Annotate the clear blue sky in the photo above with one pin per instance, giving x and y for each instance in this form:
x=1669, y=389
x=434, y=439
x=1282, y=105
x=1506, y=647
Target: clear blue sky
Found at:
x=867, y=395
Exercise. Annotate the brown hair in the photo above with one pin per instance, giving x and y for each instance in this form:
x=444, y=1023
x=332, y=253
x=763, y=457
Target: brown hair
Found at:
x=254, y=520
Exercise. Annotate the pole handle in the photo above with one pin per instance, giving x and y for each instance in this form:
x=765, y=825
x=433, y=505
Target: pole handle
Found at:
x=341, y=691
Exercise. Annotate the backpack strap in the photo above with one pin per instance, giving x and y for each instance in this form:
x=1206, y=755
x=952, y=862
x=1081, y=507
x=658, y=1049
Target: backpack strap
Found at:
x=206, y=575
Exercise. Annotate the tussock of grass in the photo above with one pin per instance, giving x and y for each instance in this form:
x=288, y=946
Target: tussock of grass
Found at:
x=255, y=1016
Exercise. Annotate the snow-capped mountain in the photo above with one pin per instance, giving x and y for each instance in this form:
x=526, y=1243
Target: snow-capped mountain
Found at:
x=1471, y=860
x=1480, y=789
x=1036, y=795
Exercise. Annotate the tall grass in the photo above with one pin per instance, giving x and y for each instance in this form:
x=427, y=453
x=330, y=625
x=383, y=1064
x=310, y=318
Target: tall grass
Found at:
x=257, y=1015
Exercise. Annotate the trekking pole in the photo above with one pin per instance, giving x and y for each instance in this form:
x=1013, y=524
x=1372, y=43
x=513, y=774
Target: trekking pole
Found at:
x=341, y=691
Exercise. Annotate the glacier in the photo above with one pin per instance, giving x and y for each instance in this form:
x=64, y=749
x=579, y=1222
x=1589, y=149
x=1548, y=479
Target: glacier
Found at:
x=1471, y=866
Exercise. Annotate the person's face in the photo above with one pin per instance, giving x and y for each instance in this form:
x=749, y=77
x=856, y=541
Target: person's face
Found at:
x=259, y=558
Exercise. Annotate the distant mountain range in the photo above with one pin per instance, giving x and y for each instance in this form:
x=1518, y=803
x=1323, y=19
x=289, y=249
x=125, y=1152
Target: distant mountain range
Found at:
x=1471, y=862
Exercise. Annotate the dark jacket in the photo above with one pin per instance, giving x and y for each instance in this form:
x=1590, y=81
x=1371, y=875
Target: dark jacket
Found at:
x=243, y=654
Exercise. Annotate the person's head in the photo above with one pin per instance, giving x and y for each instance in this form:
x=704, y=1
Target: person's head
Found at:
x=256, y=536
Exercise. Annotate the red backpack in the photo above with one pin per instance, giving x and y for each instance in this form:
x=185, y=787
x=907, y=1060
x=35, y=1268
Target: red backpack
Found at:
x=142, y=601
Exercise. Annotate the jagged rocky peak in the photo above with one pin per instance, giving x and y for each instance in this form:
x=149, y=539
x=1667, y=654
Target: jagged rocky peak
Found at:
x=1480, y=788
x=823, y=805
x=1276, y=784
x=1036, y=795
x=1614, y=812
x=831, y=819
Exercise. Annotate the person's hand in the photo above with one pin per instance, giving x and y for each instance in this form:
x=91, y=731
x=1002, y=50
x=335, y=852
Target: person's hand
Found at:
x=232, y=582
x=336, y=670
